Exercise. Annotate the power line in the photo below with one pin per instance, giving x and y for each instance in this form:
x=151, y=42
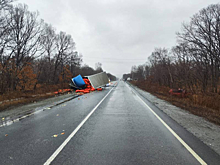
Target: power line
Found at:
x=114, y=58
x=116, y=61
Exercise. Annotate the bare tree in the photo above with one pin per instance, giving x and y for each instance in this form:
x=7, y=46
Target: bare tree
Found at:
x=25, y=35
x=5, y=4
x=98, y=67
x=59, y=56
x=161, y=66
x=133, y=72
x=184, y=68
x=111, y=77
x=64, y=50
x=31, y=49
x=126, y=76
x=21, y=40
x=147, y=69
x=202, y=36
x=75, y=63
x=48, y=42
x=86, y=70
x=5, y=29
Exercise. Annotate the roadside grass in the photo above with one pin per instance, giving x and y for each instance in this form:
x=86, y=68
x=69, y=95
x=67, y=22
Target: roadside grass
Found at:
x=204, y=105
x=16, y=98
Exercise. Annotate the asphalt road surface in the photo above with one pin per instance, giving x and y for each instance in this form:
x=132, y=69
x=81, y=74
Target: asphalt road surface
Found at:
x=114, y=126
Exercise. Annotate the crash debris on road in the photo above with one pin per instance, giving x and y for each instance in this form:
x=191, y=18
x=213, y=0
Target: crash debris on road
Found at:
x=87, y=84
x=63, y=91
x=178, y=92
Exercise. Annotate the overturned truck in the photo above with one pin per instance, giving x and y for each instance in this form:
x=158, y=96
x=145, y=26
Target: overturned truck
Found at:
x=86, y=84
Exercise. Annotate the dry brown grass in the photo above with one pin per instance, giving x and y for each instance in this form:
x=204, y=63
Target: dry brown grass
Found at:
x=204, y=105
x=15, y=98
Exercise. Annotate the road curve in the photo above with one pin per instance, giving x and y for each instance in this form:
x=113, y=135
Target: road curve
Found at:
x=120, y=129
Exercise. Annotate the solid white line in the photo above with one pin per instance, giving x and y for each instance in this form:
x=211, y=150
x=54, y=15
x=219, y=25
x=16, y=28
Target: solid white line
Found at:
x=52, y=157
x=174, y=134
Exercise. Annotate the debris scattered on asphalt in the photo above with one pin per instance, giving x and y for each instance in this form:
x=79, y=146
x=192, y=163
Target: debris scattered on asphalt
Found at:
x=63, y=91
x=57, y=114
x=99, y=89
x=6, y=134
x=55, y=135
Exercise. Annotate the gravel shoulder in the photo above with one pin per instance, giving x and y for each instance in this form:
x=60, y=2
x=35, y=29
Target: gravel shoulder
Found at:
x=206, y=131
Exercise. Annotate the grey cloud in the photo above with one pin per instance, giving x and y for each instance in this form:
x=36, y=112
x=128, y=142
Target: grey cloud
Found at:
x=112, y=29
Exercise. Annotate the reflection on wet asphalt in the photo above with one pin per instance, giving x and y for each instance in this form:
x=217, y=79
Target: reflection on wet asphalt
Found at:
x=121, y=131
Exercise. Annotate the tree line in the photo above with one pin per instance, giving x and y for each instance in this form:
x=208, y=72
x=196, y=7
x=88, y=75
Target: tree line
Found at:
x=194, y=63
x=32, y=52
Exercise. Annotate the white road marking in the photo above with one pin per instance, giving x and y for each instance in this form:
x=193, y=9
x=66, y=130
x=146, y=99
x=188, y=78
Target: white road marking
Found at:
x=18, y=119
x=23, y=117
x=54, y=155
x=174, y=134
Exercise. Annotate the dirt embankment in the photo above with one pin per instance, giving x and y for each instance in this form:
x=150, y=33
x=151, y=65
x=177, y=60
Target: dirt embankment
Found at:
x=6, y=104
x=15, y=98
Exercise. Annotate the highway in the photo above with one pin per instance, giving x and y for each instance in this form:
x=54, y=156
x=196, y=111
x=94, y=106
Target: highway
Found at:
x=114, y=126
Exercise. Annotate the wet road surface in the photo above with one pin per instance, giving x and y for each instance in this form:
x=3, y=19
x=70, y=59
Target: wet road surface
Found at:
x=120, y=130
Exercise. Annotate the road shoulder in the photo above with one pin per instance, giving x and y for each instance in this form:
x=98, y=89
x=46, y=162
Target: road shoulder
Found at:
x=23, y=110
x=206, y=131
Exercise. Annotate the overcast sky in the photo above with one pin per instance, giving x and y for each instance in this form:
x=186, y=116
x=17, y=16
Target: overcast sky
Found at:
x=118, y=33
